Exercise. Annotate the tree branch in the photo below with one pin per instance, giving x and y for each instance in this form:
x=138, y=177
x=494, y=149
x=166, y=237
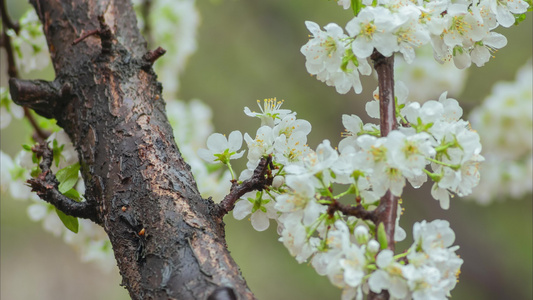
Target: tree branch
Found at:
x=261, y=178
x=46, y=187
x=39, y=95
x=357, y=211
x=130, y=163
x=6, y=20
x=387, y=209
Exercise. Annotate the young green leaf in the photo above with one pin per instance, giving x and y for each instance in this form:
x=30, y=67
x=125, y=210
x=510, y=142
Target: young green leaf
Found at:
x=73, y=194
x=382, y=236
x=68, y=177
x=69, y=221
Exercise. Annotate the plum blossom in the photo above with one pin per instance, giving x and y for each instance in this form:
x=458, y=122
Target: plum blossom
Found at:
x=222, y=149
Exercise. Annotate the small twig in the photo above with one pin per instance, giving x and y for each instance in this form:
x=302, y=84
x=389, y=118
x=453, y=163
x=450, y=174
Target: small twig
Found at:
x=40, y=135
x=46, y=186
x=105, y=34
x=151, y=56
x=259, y=180
x=357, y=211
x=86, y=35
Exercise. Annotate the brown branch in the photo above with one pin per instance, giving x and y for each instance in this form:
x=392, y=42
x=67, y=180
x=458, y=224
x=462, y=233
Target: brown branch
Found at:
x=6, y=20
x=387, y=209
x=151, y=56
x=39, y=95
x=46, y=186
x=6, y=43
x=39, y=135
x=259, y=180
x=357, y=211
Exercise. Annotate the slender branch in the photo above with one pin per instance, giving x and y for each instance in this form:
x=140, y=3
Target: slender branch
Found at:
x=46, y=186
x=6, y=43
x=387, y=209
x=357, y=211
x=105, y=34
x=259, y=180
x=39, y=135
x=86, y=35
x=6, y=20
x=384, y=66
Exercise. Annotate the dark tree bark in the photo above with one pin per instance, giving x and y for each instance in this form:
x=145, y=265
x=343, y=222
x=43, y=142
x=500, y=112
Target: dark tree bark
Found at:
x=168, y=241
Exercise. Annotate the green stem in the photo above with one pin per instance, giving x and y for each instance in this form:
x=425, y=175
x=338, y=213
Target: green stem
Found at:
x=453, y=167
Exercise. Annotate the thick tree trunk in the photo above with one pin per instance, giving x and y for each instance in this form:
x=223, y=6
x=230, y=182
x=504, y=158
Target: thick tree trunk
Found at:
x=168, y=241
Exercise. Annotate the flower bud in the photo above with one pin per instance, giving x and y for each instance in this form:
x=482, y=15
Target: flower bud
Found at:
x=278, y=181
x=373, y=246
x=361, y=234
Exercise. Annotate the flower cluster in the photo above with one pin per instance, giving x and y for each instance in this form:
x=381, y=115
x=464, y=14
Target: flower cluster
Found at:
x=461, y=31
x=505, y=124
x=432, y=270
x=433, y=142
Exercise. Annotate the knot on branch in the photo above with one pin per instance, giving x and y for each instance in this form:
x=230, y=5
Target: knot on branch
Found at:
x=261, y=179
x=105, y=34
x=46, y=186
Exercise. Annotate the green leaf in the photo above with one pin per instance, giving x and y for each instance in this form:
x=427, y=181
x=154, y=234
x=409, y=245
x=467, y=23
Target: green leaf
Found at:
x=357, y=5
x=57, y=150
x=69, y=221
x=68, y=177
x=382, y=236
x=73, y=194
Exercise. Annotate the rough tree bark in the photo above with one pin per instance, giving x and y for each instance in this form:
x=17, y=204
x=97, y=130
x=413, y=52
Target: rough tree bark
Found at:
x=168, y=241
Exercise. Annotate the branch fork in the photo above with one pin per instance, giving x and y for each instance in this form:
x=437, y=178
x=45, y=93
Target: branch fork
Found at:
x=105, y=34
x=46, y=186
x=261, y=179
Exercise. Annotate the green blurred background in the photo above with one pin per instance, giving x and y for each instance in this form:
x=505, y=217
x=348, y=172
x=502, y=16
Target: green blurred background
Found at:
x=249, y=50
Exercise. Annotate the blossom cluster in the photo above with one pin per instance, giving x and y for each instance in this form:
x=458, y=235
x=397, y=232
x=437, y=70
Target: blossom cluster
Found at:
x=462, y=31
x=505, y=124
x=301, y=197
